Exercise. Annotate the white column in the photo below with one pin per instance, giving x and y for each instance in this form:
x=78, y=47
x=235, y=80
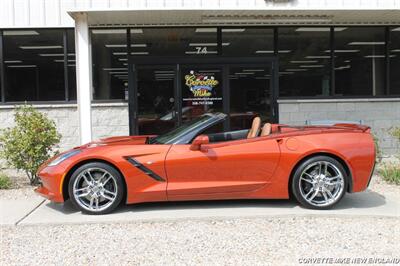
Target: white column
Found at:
x=83, y=76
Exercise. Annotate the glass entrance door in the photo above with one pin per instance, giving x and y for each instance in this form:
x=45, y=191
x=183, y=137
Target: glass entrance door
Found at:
x=155, y=99
x=168, y=95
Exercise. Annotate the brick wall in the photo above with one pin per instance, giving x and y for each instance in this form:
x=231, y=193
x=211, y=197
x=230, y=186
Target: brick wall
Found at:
x=380, y=114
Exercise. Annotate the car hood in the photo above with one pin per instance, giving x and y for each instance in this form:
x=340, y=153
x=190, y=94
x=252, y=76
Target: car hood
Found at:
x=121, y=140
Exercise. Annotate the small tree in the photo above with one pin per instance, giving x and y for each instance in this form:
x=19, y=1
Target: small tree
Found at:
x=30, y=142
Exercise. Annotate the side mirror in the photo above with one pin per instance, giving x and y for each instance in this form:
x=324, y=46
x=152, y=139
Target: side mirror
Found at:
x=198, y=141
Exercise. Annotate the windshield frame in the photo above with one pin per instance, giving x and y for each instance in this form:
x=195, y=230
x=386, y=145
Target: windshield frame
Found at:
x=185, y=133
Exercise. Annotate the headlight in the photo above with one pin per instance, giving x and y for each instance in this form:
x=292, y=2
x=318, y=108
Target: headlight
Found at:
x=63, y=157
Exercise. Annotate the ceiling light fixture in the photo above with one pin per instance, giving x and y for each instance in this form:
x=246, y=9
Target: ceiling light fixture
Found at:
x=343, y=51
x=141, y=45
x=209, y=44
x=41, y=47
x=119, y=72
x=111, y=69
x=312, y=66
x=233, y=30
x=49, y=55
x=12, y=61
x=366, y=43
x=19, y=32
x=271, y=51
x=378, y=56
x=318, y=56
x=61, y=60
x=22, y=66
x=304, y=61
x=319, y=29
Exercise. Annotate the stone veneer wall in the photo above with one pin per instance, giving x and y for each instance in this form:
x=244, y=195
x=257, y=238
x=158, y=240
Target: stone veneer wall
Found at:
x=380, y=114
x=108, y=119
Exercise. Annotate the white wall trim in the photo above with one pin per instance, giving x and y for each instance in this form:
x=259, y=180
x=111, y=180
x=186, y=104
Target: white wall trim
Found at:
x=83, y=77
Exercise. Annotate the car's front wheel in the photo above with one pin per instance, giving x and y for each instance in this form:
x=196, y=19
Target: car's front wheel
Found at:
x=319, y=182
x=96, y=188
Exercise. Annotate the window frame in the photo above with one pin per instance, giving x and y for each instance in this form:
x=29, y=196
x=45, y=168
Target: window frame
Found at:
x=66, y=45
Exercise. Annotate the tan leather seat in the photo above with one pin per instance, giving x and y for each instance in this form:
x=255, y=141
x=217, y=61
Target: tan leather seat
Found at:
x=255, y=128
x=266, y=130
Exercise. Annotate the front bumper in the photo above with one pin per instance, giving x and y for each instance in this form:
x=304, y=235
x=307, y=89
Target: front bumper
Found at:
x=51, y=179
x=44, y=192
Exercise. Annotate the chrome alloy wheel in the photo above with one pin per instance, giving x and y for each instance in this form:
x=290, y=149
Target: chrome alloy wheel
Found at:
x=95, y=189
x=321, y=183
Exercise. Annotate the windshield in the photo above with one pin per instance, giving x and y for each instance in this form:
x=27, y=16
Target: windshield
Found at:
x=172, y=136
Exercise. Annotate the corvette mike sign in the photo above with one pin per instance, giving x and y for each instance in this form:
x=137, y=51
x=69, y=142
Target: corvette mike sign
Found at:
x=202, y=88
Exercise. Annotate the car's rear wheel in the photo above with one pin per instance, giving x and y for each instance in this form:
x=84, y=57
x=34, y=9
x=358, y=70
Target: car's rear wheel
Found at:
x=319, y=182
x=96, y=188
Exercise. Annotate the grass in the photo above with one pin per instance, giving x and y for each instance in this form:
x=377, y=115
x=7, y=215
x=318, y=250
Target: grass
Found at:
x=390, y=173
x=5, y=181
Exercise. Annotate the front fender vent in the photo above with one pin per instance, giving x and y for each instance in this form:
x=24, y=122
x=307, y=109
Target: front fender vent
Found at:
x=144, y=169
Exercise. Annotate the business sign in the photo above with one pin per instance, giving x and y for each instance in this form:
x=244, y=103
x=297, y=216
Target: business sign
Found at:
x=202, y=87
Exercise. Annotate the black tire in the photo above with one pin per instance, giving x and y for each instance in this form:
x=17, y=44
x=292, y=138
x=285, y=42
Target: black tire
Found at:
x=117, y=186
x=297, y=187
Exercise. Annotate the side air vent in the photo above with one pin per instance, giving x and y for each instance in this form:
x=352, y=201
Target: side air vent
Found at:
x=144, y=169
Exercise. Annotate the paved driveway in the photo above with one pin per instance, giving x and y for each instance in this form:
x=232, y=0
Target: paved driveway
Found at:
x=35, y=210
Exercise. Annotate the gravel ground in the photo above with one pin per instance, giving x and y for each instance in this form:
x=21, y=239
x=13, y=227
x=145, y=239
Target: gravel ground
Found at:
x=257, y=241
x=272, y=241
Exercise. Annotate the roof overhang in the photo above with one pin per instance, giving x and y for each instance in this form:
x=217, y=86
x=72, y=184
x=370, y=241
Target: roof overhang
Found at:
x=200, y=17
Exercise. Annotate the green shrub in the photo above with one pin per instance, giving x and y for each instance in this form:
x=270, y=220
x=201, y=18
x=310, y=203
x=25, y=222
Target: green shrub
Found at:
x=390, y=173
x=5, y=182
x=377, y=149
x=30, y=142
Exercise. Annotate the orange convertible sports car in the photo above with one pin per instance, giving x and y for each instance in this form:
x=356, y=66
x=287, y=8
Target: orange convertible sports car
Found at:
x=316, y=164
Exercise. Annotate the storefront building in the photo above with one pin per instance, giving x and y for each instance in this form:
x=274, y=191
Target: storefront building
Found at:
x=103, y=68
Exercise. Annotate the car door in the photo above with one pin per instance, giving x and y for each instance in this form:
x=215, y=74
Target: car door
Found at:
x=220, y=170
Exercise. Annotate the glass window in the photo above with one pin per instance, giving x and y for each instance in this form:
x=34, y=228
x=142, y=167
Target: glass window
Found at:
x=71, y=65
x=110, y=61
x=247, y=41
x=174, y=41
x=34, y=65
x=359, y=61
x=394, y=52
x=304, y=61
x=249, y=95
